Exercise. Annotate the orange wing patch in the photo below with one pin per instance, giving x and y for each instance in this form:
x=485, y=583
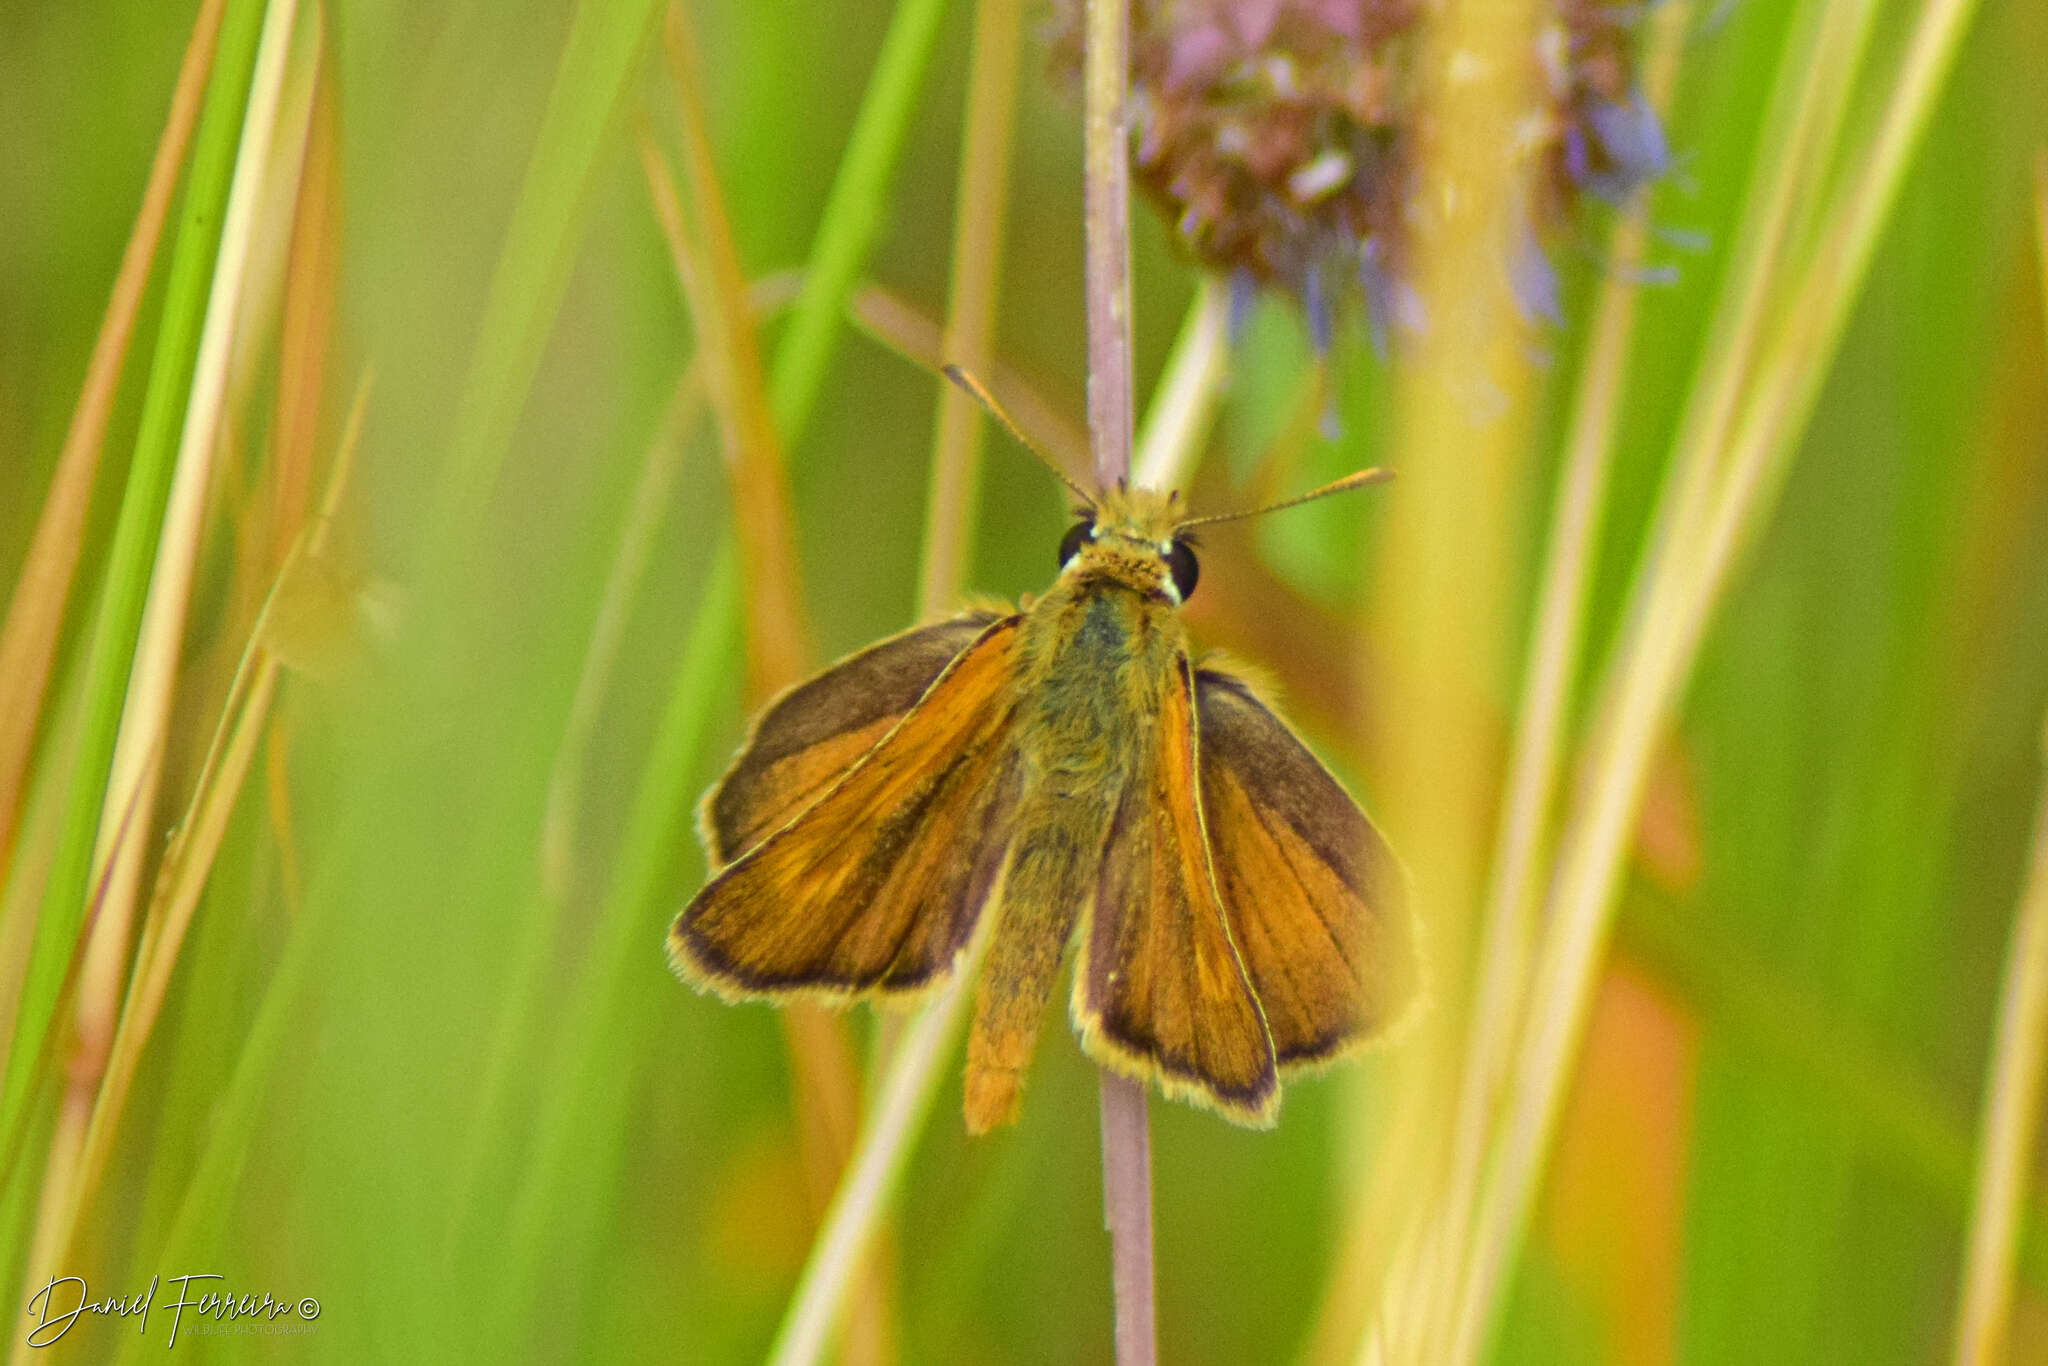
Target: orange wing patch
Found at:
x=876, y=885
x=818, y=729
x=1159, y=990
x=1313, y=895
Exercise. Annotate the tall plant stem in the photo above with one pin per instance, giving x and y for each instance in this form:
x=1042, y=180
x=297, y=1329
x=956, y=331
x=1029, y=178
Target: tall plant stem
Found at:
x=1126, y=1144
x=1127, y=1210
x=1107, y=207
x=970, y=323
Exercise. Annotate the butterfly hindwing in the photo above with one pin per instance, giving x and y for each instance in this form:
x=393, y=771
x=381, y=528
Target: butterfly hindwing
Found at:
x=876, y=884
x=1314, y=897
x=1159, y=990
x=818, y=729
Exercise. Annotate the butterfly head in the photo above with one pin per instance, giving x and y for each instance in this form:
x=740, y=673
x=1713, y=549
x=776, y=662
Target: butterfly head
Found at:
x=1135, y=537
x=1139, y=537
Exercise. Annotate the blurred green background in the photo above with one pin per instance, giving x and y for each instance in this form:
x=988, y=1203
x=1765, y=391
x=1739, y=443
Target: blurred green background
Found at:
x=477, y=1124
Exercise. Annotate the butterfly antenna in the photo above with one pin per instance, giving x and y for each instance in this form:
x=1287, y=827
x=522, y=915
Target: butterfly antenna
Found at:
x=1359, y=480
x=978, y=391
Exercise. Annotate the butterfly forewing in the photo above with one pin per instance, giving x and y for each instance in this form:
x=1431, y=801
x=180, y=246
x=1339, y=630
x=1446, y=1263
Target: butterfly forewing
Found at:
x=1313, y=895
x=1159, y=990
x=818, y=729
x=876, y=884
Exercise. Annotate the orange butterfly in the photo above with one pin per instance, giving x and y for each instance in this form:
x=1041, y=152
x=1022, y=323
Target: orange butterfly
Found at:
x=1071, y=772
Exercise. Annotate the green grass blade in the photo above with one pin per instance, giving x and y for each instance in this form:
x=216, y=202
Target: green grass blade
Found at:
x=853, y=215
x=587, y=1117
x=599, y=60
x=133, y=550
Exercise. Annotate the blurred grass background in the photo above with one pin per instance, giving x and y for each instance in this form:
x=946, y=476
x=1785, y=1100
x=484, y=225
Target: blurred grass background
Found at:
x=477, y=1121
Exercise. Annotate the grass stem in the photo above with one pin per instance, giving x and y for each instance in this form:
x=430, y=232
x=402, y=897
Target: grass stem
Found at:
x=707, y=264
x=601, y=56
x=1106, y=198
x=888, y=318
x=1127, y=1213
x=853, y=214
x=1444, y=570
x=110, y=650
x=1184, y=405
x=35, y=612
x=146, y=710
x=187, y=863
x=902, y=1101
x=1106, y=202
x=971, y=319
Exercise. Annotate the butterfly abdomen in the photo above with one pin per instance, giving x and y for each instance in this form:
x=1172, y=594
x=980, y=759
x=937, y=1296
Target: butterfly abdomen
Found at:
x=1059, y=846
x=1081, y=738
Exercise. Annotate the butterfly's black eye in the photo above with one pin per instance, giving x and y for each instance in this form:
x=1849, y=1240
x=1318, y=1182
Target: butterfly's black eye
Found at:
x=1077, y=536
x=1181, y=563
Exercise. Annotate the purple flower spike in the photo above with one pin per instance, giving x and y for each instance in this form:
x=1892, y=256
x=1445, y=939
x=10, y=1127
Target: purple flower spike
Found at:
x=1578, y=164
x=1633, y=140
x=1244, y=296
x=1378, y=286
x=1316, y=304
x=1535, y=282
x=1285, y=140
x=1409, y=311
x=1690, y=240
x=1199, y=57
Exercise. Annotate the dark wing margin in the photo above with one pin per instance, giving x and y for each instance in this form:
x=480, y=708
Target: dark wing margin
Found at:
x=875, y=887
x=816, y=730
x=1159, y=990
x=1316, y=900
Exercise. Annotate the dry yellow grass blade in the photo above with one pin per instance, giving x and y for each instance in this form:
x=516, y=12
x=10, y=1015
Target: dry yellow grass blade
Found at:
x=145, y=715
x=1444, y=559
x=2012, y=1117
x=189, y=860
x=707, y=264
x=35, y=615
x=1510, y=916
x=918, y=338
x=715, y=288
x=1808, y=311
x=306, y=326
x=821, y=1055
x=2012, y=1089
x=970, y=322
x=138, y=751
x=645, y=510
